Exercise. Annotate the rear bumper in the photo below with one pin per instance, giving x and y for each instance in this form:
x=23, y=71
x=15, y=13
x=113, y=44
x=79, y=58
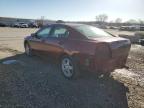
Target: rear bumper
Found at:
x=97, y=63
x=110, y=65
x=105, y=66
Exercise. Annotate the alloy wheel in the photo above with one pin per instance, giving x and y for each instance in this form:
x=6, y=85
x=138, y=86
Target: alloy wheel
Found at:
x=67, y=67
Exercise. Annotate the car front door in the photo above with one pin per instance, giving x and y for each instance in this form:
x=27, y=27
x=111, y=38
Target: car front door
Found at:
x=37, y=41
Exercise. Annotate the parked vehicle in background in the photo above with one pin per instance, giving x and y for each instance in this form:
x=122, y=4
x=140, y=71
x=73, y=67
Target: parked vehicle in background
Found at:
x=130, y=28
x=16, y=25
x=125, y=28
x=79, y=47
x=3, y=25
x=21, y=25
x=141, y=42
x=137, y=27
x=102, y=26
x=60, y=21
x=113, y=27
x=141, y=28
x=33, y=25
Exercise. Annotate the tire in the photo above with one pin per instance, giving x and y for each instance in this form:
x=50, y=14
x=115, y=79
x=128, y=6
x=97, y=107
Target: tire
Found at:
x=28, y=50
x=69, y=67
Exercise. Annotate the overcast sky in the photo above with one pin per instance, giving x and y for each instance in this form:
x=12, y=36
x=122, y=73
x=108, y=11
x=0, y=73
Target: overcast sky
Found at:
x=73, y=10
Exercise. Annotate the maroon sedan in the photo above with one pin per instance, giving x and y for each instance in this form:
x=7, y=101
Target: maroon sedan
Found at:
x=78, y=47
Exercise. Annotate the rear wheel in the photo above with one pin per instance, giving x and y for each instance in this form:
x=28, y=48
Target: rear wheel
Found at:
x=69, y=67
x=28, y=50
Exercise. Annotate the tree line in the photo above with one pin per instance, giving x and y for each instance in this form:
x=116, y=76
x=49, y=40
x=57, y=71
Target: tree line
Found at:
x=102, y=18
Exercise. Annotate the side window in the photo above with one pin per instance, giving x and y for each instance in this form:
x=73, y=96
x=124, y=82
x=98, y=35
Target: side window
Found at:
x=44, y=32
x=60, y=32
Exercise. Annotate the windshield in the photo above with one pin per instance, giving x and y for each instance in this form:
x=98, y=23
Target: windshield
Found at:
x=92, y=32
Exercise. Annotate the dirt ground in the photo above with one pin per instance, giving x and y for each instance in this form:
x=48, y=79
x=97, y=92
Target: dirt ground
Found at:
x=13, y=37
x=36, y=83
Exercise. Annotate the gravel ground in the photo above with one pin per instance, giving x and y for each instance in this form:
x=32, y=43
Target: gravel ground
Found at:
x=36, y=83
x=135, y=60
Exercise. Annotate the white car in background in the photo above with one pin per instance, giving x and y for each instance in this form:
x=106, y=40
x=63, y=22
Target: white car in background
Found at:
x=23, y=25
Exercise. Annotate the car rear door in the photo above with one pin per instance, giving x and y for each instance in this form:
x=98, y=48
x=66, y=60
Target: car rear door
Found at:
x=37, y=42
x=56, y=40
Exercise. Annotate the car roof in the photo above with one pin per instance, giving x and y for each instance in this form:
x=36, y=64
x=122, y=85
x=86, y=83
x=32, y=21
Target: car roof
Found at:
x=73, y=25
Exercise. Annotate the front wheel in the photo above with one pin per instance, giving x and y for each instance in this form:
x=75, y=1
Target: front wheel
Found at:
x=69, y=67
x=28, y=50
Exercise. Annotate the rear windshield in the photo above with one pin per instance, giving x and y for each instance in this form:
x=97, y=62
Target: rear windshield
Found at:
x=92, y=32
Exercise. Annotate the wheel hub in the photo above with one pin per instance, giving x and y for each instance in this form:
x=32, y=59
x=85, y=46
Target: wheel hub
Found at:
x=67, y=67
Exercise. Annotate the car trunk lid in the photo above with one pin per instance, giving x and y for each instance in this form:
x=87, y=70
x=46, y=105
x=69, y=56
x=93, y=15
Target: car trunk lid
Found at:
x=118, y=46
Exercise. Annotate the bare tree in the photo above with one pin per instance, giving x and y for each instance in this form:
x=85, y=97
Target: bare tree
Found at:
x=141, y=22
x=101, y=18
x=118, y=20
x=132, y=21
